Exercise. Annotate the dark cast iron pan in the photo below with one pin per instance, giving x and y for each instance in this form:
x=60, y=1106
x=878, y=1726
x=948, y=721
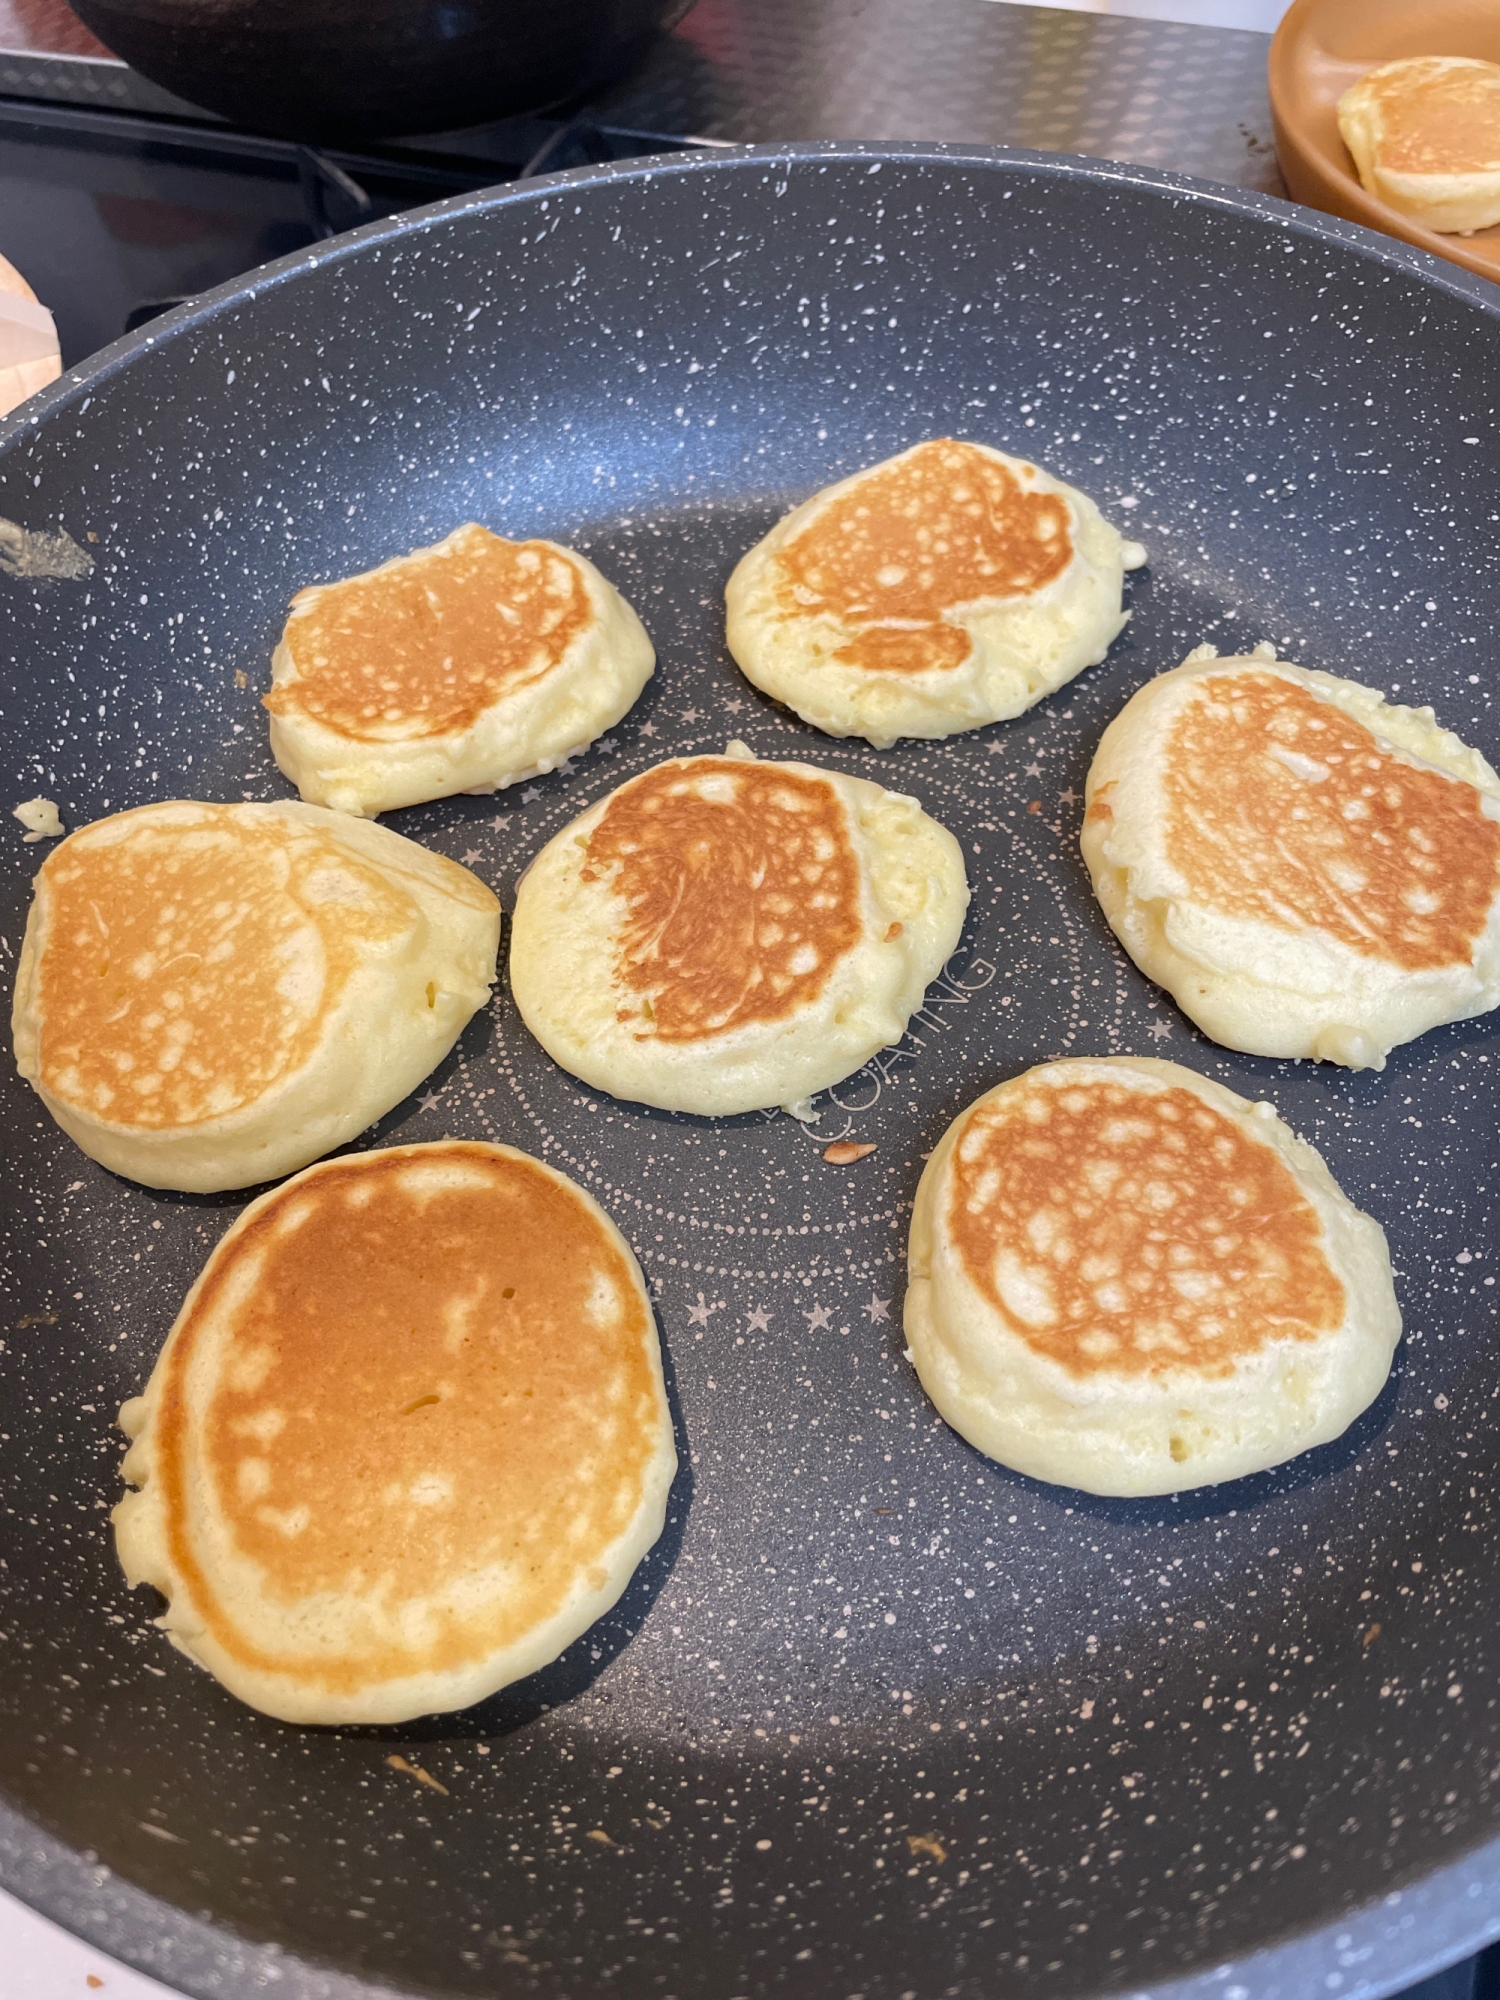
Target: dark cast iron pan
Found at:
x=877, y=1717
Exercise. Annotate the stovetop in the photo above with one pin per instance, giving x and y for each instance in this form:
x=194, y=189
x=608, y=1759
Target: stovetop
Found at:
x=118, y=201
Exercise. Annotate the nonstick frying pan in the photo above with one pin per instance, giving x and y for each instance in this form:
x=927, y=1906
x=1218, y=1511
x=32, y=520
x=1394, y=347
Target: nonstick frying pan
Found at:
x=877, y=1717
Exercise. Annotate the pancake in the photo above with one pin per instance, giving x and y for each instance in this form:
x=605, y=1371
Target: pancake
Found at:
x=721, y=935
x=1425, y=136
x=463, y=667
x=1308, y=870
x=210, y=996
x=406, y=1440
x=945, y=588
x=1125, y=1278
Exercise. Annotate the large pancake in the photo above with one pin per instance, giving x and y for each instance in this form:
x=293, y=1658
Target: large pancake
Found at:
x=721, y=935
x=406, y=1440
x=462, y=667
x=1425, y=136
x=209, y=995
x=942, y=589
x=1308, y=870
x=1127, y=1279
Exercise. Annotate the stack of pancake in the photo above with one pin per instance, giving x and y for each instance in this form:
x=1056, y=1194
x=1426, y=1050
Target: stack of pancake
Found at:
x=1424, y=133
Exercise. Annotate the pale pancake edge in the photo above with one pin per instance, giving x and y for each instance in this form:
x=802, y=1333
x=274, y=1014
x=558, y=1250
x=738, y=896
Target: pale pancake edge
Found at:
x=945, y=588
x=407, y=1439
x=462, y=667
x=1309, y=870
x=722, y=935
x=210, y=996
x=1125, y=1278
x=1424, y=133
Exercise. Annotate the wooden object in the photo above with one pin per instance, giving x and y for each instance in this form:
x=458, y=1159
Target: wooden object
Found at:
x=1323, y=47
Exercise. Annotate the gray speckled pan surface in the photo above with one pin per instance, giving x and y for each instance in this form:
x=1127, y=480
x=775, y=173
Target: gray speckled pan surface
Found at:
x=877, y=1718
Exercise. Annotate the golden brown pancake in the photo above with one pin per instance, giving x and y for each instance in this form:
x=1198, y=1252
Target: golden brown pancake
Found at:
x=943, y=526
x=461, y=667
x=407, y=1439
x=1393, y=859
x=942, y=589
x=1425, y=136
x=720, y=935
x=742, y=885
x=1308, y=870
x=212, y=995
x=1125, y=1278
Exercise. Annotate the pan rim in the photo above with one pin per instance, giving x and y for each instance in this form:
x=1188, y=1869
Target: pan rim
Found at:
x=1418, y=1929
x=1311, y=224
x=1413, y=1926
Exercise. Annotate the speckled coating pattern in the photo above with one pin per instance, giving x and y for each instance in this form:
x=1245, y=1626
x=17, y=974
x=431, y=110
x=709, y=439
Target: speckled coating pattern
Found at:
x=877, y=1717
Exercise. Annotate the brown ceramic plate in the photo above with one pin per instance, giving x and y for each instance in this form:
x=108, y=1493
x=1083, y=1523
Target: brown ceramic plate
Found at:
x=1324, y=46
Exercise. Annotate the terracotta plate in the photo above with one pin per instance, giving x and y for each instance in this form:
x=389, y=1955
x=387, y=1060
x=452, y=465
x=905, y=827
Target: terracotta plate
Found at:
x=1324, y=46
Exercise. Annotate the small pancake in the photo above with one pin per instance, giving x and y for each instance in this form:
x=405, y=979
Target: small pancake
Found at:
x=463, y=667
x=721, y=935
x=1127, y=1279
x=406, y=1440
x=210, y=996
x=945, y=588
x=1308, y=870
x=1425, y=136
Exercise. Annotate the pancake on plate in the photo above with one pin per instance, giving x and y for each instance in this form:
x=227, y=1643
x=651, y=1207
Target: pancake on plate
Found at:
x=1308, y=870
x=721, y=935
x=406, y=1440
x=1127, y=1279
x=948, y=587
x=463, y=667
x=1425, y=136
x=210, y=996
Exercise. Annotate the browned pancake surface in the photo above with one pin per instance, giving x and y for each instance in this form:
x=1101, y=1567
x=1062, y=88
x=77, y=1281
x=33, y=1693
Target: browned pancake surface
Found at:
x=1284, y=809
x=1131, y=1231
x=187, y=968
x=421, y=1388
x=742, y=888
x=421, y=647
x=1439, y=122
x=945, y=526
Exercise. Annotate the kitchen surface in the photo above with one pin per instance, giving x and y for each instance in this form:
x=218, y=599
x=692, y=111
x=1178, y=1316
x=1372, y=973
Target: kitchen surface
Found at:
x=119, y=201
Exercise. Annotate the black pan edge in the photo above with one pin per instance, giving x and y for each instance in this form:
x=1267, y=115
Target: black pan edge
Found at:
x=1408, y=1933
x=1304, y=222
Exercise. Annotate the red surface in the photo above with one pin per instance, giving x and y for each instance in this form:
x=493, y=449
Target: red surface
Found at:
x=46, y=27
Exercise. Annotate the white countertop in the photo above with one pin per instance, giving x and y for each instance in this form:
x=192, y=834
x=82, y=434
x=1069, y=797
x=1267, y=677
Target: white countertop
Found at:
x=40, y=1962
